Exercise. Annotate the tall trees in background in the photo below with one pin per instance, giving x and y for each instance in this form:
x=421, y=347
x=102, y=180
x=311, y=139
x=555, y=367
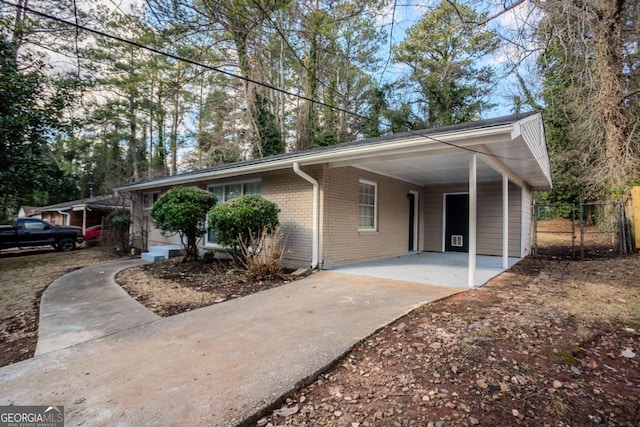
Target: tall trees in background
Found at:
x=30, y=112
x=445, y=51
x=588, y=61
x=594, y=44
x=139, y=115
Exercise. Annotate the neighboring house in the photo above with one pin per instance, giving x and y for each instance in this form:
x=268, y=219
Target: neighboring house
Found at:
x=84, y=212
x=444, y=189
x=25, y=211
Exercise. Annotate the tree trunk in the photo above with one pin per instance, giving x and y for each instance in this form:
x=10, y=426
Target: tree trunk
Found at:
x=133, y=144
x=610, y=89
x=17, y=28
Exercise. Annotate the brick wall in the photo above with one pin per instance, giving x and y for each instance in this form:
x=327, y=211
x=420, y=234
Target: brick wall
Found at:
x=292, y=194
x=342, y=243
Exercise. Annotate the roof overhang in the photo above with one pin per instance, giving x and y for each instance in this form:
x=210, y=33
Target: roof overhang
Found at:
x=516, y=149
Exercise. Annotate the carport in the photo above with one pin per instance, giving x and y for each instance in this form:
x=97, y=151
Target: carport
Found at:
x=503, y=160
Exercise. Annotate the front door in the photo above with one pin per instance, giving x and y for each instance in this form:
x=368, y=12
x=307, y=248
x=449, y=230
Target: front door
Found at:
x=456, y=234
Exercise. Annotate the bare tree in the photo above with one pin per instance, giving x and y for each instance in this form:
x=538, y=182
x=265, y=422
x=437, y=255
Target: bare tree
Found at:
x=596, y=42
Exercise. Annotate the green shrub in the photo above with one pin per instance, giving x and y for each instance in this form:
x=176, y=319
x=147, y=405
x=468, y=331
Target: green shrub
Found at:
x=182, y=211
x=240, y=221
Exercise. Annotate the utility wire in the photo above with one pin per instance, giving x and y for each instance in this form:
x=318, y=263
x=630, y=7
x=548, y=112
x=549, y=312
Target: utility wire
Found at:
x=180, y=58
x=246, y=79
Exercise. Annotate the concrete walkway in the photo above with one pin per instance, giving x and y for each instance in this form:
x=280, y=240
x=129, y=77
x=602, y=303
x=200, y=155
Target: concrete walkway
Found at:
x=218, y=365
x=87, y=304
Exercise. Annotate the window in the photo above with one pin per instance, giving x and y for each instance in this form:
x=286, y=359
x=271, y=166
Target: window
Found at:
x=34, y=225
x=227, y=192
x=367, y=199
x=149, y=199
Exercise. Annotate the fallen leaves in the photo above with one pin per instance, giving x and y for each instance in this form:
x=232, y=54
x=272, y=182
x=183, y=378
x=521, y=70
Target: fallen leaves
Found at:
x=505, y=354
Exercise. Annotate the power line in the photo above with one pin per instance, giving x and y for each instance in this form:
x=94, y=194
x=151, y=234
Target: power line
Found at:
x=180, y=58
x=246, y=79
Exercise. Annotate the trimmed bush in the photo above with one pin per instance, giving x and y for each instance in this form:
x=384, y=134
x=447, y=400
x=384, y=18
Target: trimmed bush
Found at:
x=240, y=221
x=182, y=211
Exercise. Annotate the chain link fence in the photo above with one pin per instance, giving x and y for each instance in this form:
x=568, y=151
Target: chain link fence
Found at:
x=581, y=230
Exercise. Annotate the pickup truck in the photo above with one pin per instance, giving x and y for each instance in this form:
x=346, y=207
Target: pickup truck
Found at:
x=35, y=232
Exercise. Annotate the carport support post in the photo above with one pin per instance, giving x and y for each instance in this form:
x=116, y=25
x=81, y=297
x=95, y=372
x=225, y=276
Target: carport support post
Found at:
x=505, y=221
x=473, y=162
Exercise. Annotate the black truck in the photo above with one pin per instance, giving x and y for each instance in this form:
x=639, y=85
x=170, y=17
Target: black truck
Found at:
x=27, y=232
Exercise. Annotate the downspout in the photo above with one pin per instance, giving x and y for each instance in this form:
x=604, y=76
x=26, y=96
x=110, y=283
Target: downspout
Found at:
x=316, y=211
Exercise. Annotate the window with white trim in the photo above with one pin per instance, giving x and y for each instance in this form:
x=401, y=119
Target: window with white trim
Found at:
x=226, y=192
x=368, y=204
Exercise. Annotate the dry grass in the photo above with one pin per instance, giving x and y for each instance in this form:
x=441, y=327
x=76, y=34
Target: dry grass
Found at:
x=262, y=257
x=558, y=233
x=159, y=293
x=23, y=277
x=600, y=302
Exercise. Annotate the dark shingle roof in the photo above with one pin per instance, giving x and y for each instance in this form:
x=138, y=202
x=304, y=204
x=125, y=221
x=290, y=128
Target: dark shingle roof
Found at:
x=433, y=132
x=104, y=202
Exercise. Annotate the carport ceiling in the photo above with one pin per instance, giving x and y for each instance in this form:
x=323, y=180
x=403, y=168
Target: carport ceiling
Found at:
x=430, y=170
x=433, y=161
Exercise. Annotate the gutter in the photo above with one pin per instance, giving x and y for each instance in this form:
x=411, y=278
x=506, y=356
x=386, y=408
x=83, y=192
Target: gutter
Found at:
x=315, y=247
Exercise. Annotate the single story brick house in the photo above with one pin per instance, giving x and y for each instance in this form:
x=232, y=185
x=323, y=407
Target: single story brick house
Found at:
x=465, y=187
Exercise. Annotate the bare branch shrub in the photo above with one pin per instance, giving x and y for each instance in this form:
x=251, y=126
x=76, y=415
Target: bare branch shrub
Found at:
x=262, y=256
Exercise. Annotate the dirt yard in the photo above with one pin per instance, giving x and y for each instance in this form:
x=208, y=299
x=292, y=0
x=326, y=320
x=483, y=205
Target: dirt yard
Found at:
x=173, y=287
x=549, y=343
x=24, y=275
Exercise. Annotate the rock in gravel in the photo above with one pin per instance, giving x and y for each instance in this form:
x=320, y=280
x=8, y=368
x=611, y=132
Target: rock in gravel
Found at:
x=628, y=353
x=286, y=411
x=473, y=421
x=557, y=384
x=482, y=384
x=262, y=422
x=519, y=380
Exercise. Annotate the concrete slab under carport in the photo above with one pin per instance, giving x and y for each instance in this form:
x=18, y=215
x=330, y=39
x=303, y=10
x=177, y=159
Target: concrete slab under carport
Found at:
x=430, y=268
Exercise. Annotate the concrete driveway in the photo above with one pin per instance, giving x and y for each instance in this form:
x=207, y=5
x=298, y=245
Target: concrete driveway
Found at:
x=218, y=365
